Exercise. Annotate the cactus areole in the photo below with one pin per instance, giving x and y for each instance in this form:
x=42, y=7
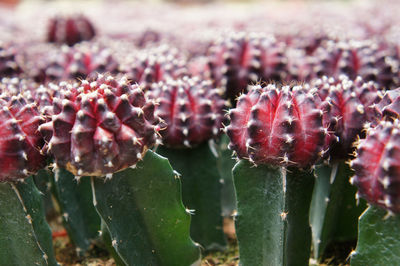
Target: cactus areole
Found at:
x=100, y=127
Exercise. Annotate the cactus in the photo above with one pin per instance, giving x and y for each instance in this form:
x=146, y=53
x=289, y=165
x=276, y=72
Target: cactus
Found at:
x=24, y=232
x=375, y=176
x=70, y=30
x=348, y=106
x=275, y=132
x=193, y=113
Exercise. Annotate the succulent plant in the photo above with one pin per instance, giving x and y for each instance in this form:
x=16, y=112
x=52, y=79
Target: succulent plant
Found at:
x=357, y=59
x=73, y=63
x=280, y=131
x=376, y=178
x=278, y=126
x=375, y=166
x=347, y=105
x=241, y=59
x=193, y=112
x=70, y=29
x=21, y=142
x=100, y=127
x=153, y=65
x=22, y=216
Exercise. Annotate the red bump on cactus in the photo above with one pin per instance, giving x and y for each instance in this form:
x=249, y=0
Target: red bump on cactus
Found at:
x=278, y=126
x=389, y=106
x=100, y=127
x=191, y=109
x=376, y=168
x=20, y=143
x=348, y=106
x=70, y=30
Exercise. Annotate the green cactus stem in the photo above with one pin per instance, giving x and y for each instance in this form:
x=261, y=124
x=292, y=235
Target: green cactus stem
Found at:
x=334, y=211
x=225, y=163
x=75, y=200
x=378, y=239
x=272, y=222
x=143, y=211
x=25, y=236
x=201, y=190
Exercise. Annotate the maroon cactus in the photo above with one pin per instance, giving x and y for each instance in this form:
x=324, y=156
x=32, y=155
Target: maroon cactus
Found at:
x=356, y=59
x=21, y=143
x=191, y=109
x=376, y=167
x=154, y=65
x=100, y=127
x=241, y=60
x=348, y=106
x=70, y=30
x=78, y=62
x=279, y=126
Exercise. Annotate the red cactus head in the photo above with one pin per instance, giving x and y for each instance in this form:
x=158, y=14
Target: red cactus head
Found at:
x=100, y=127
x=191, y=109
x=278, y=126
x=240, y=60
x=348, y=106
x=154, y=65
x=376, y=167
x=70, y=30
x=356, y=59
x=20, y=143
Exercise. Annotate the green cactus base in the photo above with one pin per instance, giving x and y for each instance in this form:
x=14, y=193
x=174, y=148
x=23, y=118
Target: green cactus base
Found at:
x=378, y=239
x=76, y=205
x=334, y=211
x=272, y=222
x=201, y=192
x=25, y=236
x=143, y=212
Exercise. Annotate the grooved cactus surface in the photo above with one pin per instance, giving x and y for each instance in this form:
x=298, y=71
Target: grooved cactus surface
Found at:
x=18, y=241
x=334, y=211
x=272, y=219
x=201, y=192
x=76, y=206
x=143, y=212
x=378, y=242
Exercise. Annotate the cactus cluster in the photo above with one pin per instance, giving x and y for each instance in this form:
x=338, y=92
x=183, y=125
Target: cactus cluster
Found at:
x=297, y=109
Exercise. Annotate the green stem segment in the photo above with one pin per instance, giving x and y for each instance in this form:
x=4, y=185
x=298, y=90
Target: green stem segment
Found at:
x=334, y=211
x=379, y=239
x=272, y=223
x=225, y=163
x=25, y=236
x=143, y=212
x=201, y=188
x=76, y=204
